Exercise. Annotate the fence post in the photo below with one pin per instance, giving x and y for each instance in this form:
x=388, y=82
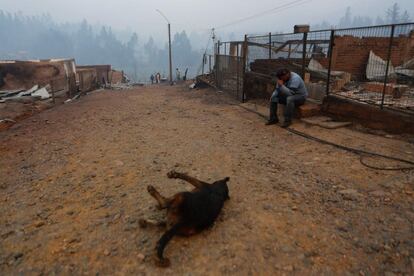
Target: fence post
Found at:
x=270, y=45
x=305, y=38
x=204, y=59
x=331, y=45
x=245, y=49
x=388, y=66
x=217, y=65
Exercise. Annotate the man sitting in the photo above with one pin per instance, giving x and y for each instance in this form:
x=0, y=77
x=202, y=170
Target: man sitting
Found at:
x=290, y=91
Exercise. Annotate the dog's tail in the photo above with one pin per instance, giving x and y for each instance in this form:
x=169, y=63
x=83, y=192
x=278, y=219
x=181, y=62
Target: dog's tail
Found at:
x=162, y=243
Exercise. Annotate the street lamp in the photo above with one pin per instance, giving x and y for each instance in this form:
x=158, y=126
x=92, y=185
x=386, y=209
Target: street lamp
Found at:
x=169, y=43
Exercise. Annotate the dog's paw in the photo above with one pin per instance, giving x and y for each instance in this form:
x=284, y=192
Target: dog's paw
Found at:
x=143, y=223
x=165, y=262
x=172, y=174
x=151, y=190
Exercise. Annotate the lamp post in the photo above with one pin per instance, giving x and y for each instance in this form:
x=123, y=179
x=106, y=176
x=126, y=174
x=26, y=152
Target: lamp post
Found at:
x=169, y=44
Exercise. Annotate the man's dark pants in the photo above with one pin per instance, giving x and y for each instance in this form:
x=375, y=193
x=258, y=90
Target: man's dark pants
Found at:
x=289, y=100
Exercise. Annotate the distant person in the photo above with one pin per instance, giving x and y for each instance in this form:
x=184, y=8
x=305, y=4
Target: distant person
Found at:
x=177, y=74
x=152, y=78
x=158, y=76
x=290, y=91
x=185, y=74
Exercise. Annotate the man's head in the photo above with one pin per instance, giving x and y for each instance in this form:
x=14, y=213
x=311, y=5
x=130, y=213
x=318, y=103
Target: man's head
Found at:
x=283, y=74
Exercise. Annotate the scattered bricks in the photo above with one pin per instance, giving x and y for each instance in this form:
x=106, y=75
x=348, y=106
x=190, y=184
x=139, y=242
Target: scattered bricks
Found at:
x=377, y=87
x=340, y=83
x=399, y=90
x=347, y=77
x=391, y=89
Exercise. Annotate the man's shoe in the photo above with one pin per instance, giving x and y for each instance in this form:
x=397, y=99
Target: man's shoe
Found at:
x=269, y=123
x=286, y=124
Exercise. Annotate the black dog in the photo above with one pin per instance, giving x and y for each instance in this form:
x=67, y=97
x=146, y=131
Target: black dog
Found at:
x=188, y=213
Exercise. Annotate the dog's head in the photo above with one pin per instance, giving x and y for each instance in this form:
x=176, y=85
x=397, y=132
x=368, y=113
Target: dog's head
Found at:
x=223, y=188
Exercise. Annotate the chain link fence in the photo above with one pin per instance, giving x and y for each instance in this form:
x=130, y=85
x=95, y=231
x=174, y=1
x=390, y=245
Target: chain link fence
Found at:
x=380, y=64
x=229, y=68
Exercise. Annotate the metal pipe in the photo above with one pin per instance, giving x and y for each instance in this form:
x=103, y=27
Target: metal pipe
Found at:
x=331, y=45
x=245, y=49
x=270, y=45
x=305, y=38
x=388, y=66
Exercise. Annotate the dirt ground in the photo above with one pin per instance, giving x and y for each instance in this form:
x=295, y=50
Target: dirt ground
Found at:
x=73, y=187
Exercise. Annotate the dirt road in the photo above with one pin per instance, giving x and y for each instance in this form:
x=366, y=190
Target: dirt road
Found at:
x=73, y=186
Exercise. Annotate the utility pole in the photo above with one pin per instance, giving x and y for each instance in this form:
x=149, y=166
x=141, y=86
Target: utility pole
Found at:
x=169, y=50
x=169, y=44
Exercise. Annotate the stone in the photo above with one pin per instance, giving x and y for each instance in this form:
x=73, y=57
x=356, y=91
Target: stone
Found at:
x=141, y=257
x=18, y=255
x=350, y=194
x=267, y=207
x=39, y=223
x=380, y=194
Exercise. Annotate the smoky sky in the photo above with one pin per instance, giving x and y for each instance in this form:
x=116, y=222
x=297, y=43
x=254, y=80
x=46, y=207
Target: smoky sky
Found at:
x=199, y=15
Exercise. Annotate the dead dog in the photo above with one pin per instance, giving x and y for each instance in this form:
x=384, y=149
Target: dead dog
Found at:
x=188, y=213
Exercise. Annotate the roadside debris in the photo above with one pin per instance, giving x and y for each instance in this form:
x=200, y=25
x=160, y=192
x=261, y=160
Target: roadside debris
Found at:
x=21, y=95
x=7, y=121
x=77, y=96
x=376, y=67
x=125, y=86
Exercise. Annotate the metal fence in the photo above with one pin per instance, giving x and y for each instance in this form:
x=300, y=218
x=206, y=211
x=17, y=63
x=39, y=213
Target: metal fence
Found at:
x=229, y=68
x=374, y=65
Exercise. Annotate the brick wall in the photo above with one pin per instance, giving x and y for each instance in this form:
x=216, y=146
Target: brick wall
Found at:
x=350, y=54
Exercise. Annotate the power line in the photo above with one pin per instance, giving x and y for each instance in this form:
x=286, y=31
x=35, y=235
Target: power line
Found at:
x=276, y=9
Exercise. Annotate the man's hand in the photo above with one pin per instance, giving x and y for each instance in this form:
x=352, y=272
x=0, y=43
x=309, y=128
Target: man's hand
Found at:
x=280, y=82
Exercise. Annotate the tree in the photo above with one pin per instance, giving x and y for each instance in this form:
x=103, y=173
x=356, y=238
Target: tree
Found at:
x=346, y=20
x=132, y=46
x=405, y=18
x=360, y=21
x=393, y=14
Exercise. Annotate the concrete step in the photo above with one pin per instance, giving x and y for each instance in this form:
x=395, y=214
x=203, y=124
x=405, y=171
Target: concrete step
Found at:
x=309, y=109
x=325, y=122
